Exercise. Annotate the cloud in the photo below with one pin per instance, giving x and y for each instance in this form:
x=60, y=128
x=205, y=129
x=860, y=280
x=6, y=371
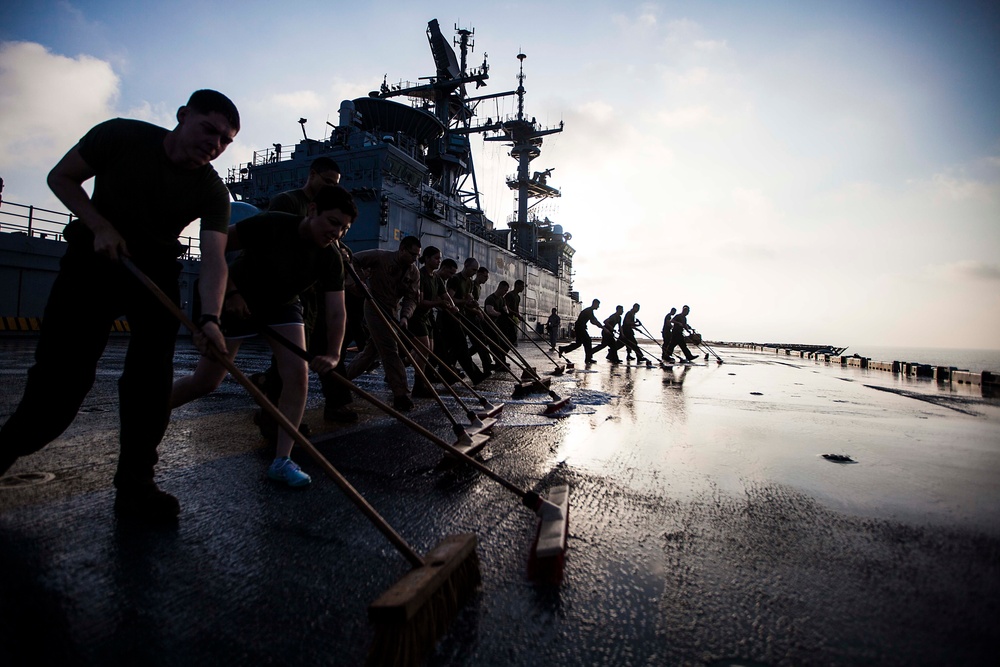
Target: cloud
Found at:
x=687, y=117
x=956, y=188
x=968, y=269
x=157, y=114
x=304, y=101
x=48, y=102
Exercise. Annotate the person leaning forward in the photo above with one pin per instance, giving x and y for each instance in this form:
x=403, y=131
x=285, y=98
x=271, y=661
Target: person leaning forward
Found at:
x=678, y=326
x=608, y=340
x=581, y=334
x=394, y=282
x=149, y=184
x=453, y=327
x=323, y=172
x=282, y=256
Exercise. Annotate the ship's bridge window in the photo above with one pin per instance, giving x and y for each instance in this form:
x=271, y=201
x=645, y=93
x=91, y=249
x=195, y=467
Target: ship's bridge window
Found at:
x=363, y=169
x=402, y=171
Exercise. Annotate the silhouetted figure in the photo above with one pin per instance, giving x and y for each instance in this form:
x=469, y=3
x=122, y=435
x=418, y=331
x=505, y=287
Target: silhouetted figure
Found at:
x=581, y=334
x=678, y=327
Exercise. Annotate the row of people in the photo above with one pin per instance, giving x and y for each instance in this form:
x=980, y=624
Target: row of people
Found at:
x=618, y=331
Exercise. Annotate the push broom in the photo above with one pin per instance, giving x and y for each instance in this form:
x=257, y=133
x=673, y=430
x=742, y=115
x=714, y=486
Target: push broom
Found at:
x=525, y=330
x=557, y=403
x=529, y=373
x=548, y=551
x=478, y=422
x=470, y=439
x=702, y=344
x=489, y=410
x=411, y=616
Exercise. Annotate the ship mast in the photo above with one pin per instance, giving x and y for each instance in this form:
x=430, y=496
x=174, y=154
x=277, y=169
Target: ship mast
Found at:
x=525, y=139
x=450, y=158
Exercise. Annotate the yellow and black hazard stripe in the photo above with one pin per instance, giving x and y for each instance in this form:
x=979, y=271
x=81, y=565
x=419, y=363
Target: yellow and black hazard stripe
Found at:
x=34, y=325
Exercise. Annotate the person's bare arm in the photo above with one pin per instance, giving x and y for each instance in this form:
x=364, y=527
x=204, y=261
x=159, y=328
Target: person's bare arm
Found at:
x=66, y=181
x=211, y=287
x=336, y=325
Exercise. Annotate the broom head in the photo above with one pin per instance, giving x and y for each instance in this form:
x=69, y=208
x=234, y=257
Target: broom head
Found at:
x=532, y=386
x=556, y=406
x=479, y=425
x=410, y=617
x=489, y=410
x=548, y=554
x=469, y=444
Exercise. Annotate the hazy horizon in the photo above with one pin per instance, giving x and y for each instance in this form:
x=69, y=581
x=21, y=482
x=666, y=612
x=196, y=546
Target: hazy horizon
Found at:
x=803, y=172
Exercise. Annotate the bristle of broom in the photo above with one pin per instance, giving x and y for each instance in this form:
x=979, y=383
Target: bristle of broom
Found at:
x=410, y=617
x=548, y=571
x=548, y=552
x=556, y=406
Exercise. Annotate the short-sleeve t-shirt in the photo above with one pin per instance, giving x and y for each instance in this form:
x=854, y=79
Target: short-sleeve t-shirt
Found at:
x=498, y=303
x=431, y=289
x=277, y=263
x=513, y=301
x=586, y=315
x=145, y=196
x=462, y=287
x=290, y=201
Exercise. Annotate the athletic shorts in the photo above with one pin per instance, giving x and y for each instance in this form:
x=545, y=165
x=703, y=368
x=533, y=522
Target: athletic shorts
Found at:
x=238, y=328
x=421, y=325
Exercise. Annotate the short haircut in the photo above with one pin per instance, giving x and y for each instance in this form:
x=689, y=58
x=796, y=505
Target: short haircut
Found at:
x=409, y=242
x=449, y=263
x=503, y=283
x=429, y=252
x=483, y=269
x=471, y=261
x=324, y=164
x=207, y=101
x=332, y=197
x=518, y=282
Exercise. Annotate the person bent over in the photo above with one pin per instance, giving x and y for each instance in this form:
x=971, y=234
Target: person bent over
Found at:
x=394, y=284
x=581, y=334
x=678, y=326
x=281, y=256
x=149, y=184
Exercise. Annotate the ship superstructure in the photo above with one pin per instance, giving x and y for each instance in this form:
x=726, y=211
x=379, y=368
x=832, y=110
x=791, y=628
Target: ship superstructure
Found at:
x=410, y=168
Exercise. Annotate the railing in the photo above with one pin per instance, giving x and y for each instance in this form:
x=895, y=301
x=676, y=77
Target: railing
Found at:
x=33, y=220
x=43, y=223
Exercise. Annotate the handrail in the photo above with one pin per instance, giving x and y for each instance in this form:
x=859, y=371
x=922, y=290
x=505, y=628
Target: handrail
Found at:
x=43, y=223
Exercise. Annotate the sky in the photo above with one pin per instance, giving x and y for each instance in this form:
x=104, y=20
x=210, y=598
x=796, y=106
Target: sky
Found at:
x=800, y=172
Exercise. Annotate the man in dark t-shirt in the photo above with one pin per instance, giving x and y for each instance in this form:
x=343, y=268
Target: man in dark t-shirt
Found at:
x=678, y=326
x=149, y=184
x=282, y=256
x=495, y=307
x=452, y=326
x=509, y=324
x=581, y=334
x=608, y=340
x=323, y=172
x=628, y=327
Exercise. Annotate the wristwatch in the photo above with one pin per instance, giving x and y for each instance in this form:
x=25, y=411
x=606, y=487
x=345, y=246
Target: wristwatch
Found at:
x=205, y=318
